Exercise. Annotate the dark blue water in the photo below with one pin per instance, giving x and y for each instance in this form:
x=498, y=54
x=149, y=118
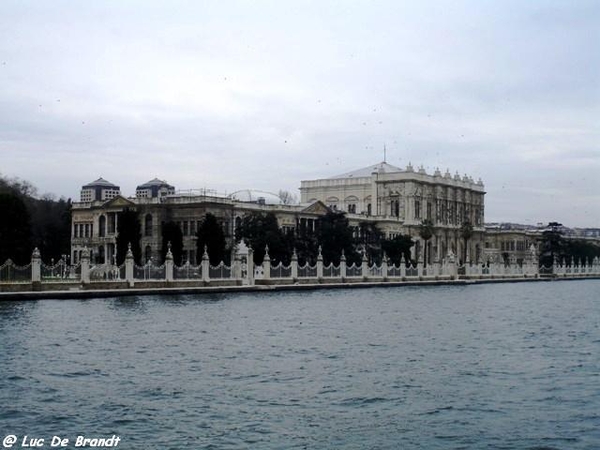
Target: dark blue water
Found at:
x=506, y=366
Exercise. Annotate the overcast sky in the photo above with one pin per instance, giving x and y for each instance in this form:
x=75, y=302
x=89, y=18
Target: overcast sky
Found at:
x=232, y=95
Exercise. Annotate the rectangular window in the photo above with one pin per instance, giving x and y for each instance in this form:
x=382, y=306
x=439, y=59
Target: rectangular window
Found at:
x=417, y=209
x=185, y=228
x=429, y=211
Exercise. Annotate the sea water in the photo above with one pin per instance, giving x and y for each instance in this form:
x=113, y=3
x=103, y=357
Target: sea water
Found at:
x=495, y=366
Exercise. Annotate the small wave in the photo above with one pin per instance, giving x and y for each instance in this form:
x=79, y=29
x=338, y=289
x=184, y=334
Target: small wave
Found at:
x=358, y=401
x=15, y=378
x=437, y=410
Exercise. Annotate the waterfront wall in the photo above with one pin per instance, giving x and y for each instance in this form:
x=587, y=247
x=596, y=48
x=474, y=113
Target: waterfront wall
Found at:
x=38, y=276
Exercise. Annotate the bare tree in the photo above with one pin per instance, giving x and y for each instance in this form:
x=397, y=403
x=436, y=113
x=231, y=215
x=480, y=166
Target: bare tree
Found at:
x=287, y=198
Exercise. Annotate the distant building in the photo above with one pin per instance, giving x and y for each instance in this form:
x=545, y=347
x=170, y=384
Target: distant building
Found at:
x=99, y=190
x=154, y=188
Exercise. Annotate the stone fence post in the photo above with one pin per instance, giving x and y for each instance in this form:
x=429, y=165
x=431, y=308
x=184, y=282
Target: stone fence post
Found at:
x=402, y=267
x=384, y=267
x=236, y=267
x=266, y=264
x=36, y=266
x=343, y=266
x=205, y=266
x=85, y=266
x=294, y=265
x=129, y=263
x=365, y=266
x=169, y=264
x=250, y=267
x=452, y=267
x=320, y=264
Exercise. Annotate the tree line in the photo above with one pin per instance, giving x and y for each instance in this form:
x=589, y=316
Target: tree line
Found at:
x=29, y=221
x=331, y=233
x=555, y=246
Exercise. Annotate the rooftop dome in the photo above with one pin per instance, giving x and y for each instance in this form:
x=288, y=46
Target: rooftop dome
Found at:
x=382, y=167
x=155, y=182
x=100, y=182
x=255, y=196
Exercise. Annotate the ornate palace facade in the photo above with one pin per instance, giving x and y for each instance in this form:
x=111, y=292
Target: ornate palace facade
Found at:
x=397, y=201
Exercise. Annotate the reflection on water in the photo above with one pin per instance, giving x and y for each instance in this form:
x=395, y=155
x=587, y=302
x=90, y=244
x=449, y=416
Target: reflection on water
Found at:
x=487, y=366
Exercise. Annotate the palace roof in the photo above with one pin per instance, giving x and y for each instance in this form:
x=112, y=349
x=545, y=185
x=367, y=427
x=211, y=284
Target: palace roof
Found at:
x=255, y=196
x=101, y=182
x=154, y=182
x=382, y=167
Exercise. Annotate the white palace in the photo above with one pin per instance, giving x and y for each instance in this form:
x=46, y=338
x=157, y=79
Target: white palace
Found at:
x=393, y=199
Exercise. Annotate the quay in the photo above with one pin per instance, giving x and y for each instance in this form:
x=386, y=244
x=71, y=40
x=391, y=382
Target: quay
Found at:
x=111, y=292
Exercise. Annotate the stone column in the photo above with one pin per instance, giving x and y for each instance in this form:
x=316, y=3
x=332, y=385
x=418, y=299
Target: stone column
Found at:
x=320, y=264
x=85, y=265
x=343, y=266
x=266, y=264
x=129, y=262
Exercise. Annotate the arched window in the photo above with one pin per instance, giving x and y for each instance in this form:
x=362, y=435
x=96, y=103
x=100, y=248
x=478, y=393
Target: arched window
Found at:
x=148, y=225
x=102, y=226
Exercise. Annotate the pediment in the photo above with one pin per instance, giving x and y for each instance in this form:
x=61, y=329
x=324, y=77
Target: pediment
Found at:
x=317, y=207
x=118, y=202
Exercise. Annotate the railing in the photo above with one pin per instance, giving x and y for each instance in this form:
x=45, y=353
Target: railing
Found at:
x=354, y=271
x=331, y=271
x=149, y=272
x=375, y=271
x=394, y=271
x=412, y=271
x=248, y=272
x=307, y=271
x=187, y=272
x=13, y=273
x=220, y=271
x=281, y=271
x=55, y=272
x=107, y=272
